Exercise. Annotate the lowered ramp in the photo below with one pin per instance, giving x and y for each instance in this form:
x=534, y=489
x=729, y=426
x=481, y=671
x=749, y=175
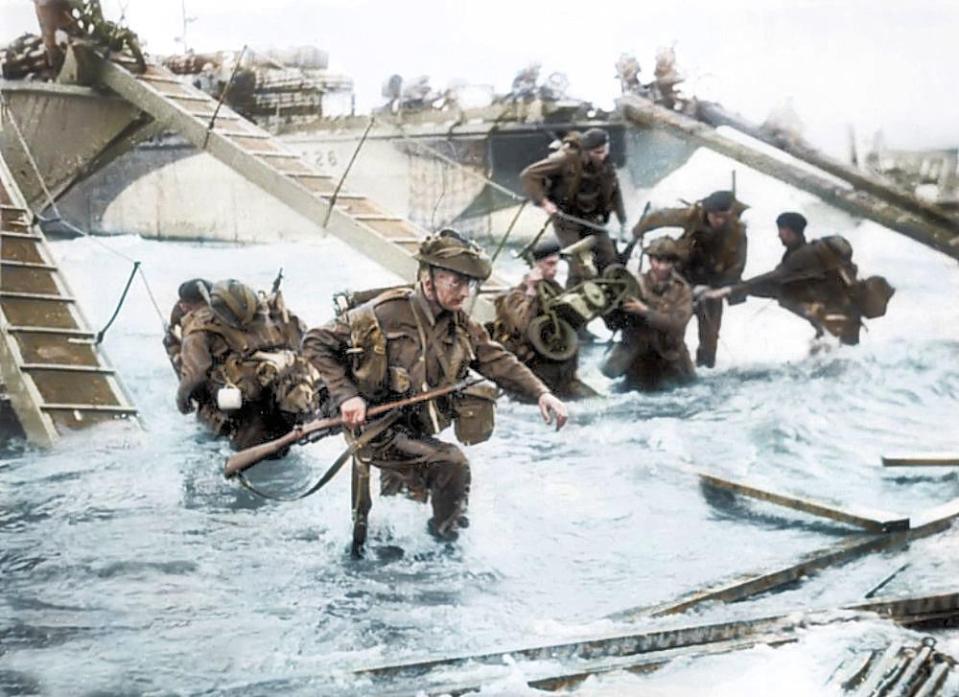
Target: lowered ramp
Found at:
x=389, y=240
x=943, y=237
x=54, y=375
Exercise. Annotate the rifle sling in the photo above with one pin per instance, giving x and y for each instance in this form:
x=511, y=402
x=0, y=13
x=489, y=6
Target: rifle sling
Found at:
x=375, y=429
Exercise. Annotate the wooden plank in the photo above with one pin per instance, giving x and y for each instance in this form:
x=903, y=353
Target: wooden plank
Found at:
x=648, y=114
x=605, y=646
x=285, y=176
x=111, y=408
x=36, y=296
x=554, y=680
x=649, y=648
x=872, y=521
x=67, y=368
x=924, y=460
x=923, y=524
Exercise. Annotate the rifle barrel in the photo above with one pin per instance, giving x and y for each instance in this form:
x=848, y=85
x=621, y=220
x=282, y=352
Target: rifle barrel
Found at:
x=244, y=459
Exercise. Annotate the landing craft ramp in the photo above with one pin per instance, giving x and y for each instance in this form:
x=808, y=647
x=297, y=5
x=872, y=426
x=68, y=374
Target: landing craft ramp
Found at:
x=941, y=235
x=389, y=240
x=55, y=376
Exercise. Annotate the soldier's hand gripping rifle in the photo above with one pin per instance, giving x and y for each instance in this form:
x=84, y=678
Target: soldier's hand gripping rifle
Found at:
x=321, y=428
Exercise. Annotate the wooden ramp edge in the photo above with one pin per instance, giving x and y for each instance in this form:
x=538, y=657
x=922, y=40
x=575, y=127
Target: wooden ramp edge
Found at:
x=922, y=460
x=873, y=521
x=942, y=238
x=389, y=240
x=56, y=378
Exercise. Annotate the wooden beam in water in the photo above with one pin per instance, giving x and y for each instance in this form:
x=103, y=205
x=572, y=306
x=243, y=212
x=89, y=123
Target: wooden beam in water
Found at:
x=924, y=524
x=924, y=460
x=872, y=521
x=647, y=651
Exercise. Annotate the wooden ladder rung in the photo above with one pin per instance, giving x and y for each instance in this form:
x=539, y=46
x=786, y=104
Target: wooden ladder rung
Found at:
x=146, y=77
x=343, y=197
x=308, y=175
x=281, y=155
x=5, y=207
x=367, y=217
x=242, y=134
x=19, y=235
x=112, y=408
x=188, y=97
x=27, y=265
x=206, y=117
x=23, y=329
x=66, y=368
x=36, y=296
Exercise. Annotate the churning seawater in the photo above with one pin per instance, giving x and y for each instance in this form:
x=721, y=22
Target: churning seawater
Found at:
x=129, y=565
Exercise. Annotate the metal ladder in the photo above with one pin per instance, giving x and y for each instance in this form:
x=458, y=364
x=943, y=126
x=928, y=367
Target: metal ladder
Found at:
x=55, y=378
x=389, y=240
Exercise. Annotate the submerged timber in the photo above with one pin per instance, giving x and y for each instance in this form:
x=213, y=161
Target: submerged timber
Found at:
x=387, y=609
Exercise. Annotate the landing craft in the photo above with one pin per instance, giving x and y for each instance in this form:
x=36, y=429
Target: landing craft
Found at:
x=46, y=168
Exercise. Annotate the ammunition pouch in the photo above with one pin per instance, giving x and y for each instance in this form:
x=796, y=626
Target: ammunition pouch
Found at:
x=872, y=296
x=474, y=412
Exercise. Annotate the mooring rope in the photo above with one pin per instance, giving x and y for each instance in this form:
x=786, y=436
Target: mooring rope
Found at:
x=58, y=218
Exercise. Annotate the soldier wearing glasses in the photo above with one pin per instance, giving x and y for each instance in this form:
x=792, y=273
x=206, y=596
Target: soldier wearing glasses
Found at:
x=410, y=340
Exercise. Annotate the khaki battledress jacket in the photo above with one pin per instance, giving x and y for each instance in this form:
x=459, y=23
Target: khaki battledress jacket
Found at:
x=579, y=188
x=515, y=310
x=652, y=353
x=713, y=258
x=815, y=281
x=426, y=347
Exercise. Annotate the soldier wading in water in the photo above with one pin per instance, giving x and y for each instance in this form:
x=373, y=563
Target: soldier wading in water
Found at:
x=406, y=341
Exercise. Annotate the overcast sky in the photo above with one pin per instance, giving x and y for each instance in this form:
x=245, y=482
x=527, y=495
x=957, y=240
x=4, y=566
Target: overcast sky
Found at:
x=875, y=64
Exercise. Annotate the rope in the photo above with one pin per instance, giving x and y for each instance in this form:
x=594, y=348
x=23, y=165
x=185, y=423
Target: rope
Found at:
x=216, y=111
x=349, y=166
x=123, y=297
x=459, y=165
x=26, y=150
x=52, y=204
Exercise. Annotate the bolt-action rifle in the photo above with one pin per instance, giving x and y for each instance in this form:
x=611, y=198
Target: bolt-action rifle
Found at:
x=321, y=428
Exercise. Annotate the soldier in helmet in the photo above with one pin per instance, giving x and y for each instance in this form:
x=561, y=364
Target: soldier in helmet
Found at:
x=410, y=340
x=241, y=365
x=712, y=253
x=652, y=352
x=579, y=180
x=816, y=280
x=191, y=296
x=516, y=309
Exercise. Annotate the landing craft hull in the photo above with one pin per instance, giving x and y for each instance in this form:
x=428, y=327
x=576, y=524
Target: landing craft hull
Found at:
x=166, y=189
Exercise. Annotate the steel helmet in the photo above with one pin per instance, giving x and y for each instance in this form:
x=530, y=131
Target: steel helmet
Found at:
x=663, y=248
x=449, y=250
x=233, y=302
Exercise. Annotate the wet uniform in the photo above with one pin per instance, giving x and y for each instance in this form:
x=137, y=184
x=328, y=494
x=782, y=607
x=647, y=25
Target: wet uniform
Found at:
x=580, y=188
x=815, y=280
x=711, y=258
x=515, y=310
x=425, y=347
x=261, y=360
x=652, y=353
x=173, y=338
